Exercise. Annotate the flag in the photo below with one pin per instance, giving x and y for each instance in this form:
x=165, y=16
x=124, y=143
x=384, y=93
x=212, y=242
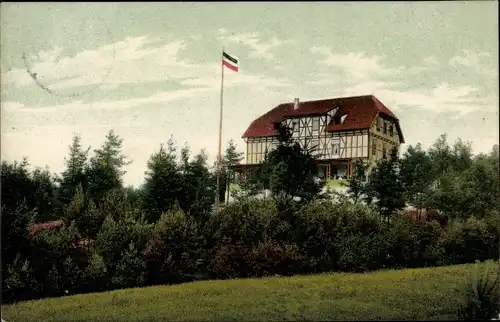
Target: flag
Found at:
x=229, y=61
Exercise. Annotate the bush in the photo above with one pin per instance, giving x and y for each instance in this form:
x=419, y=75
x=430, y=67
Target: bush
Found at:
x=16, y=238
x=175, y=252
x=316, y=230
x=413, y=244
x=330, y=236
x=95, y=274
x=469, y=241
x=270, y=258
x=230, y=261
x=482, y=297
x=266, y=258
x=116, y=235
x=247, y=222
x=359, y=252
x=20, y=282
x=130, y=270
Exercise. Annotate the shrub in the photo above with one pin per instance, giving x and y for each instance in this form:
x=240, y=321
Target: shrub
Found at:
x=95, y=274
x=230, y=261
x=481, y=297
x=326, y=234
x=316, y=231
x=469, y=241
x=16, y=238
x=246, y=222
x=413, y=244
x=116, y=235
x=359, y=252
x=20, y=282
x=270, y=258
x=130, y=270
x=264, y=259
x=175, y=252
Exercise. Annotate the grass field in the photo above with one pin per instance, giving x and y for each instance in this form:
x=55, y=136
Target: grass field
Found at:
x=430, y=293
x=335, y=184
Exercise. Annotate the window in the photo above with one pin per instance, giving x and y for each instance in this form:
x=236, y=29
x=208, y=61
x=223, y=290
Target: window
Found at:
x=374, y=147
x=383, y=151
x=378, y=124
x=295, y=126
x=342, y=119
x=385, y=128
x=335, y=148
x=315, y=124
x=391, y=130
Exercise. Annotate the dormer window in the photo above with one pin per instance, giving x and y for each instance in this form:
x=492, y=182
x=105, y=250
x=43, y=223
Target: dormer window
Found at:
x=342, y=119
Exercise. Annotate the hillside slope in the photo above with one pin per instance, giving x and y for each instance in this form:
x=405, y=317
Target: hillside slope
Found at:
x=430, y=293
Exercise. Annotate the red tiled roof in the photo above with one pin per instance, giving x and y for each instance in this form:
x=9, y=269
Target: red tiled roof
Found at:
x=34, y=228
x=360, y=110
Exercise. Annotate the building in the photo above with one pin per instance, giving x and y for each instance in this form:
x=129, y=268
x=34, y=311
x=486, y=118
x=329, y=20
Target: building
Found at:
x=341, y=129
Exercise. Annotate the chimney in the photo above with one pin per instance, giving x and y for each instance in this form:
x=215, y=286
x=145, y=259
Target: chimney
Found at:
x=296, y=104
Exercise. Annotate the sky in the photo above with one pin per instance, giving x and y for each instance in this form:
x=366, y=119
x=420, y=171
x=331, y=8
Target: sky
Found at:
x=150, y=71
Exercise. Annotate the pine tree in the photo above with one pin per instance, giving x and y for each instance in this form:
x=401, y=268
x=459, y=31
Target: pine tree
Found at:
x=357, y=182
x=385, y=185
x=230, y=158
x=289, y=170
x=74, y=175
x=131, y=269
x=105, y=169
x=162, y=187
x=417, y=175
x=198, y=185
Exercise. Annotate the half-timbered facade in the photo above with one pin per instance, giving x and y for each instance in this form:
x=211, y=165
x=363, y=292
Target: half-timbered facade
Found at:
x=340, y=130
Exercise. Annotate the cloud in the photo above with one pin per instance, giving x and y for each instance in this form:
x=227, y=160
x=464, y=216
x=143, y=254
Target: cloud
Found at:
x=257, y=47
x=473, y=61
x=440, y=99
x=157, y=98
x=134, y=60
x=368, y=75
x=431, y=60
x=359, y=66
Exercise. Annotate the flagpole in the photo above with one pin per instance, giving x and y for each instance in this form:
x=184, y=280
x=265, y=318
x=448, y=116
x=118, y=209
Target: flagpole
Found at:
x=217, y=197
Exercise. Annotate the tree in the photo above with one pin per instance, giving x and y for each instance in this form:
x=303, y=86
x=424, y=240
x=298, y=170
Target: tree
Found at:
x=450, y=194
x=197, y=184
x=385, y=185
x=45, y=195
x=75, y=174
x=484, y=183
x=162, y=187
x=130, y=270
x=462, y=157
x=356, y=186
x=35, y=190
x=105, y=169
x=230, y=158
x=416, y=175
x=441, y=156
x=289, y=170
